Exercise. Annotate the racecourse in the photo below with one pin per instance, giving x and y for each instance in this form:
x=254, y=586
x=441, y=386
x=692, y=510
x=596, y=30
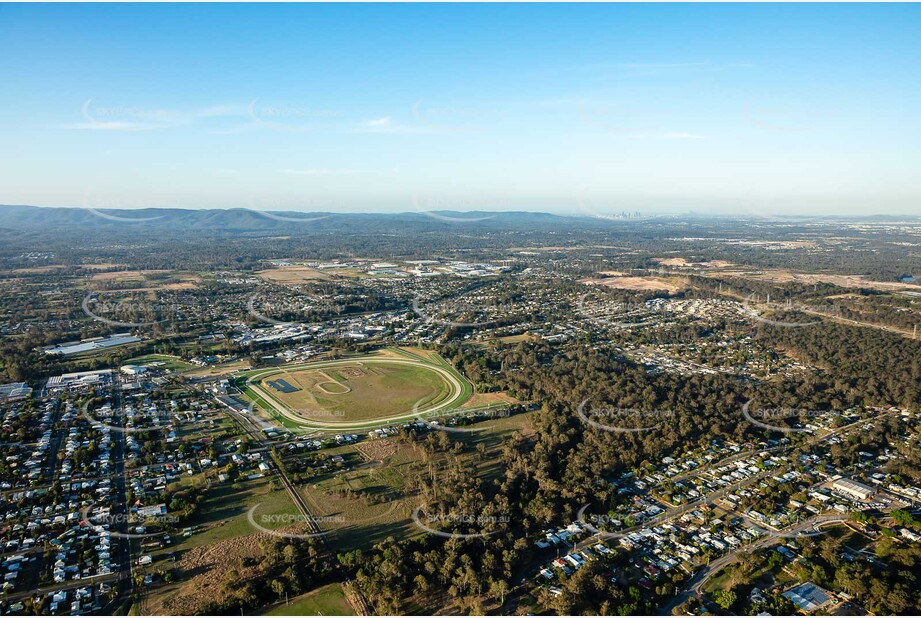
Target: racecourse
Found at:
x=459, y=391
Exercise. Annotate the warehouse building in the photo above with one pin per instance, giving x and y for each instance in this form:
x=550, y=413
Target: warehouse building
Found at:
x=853, y=489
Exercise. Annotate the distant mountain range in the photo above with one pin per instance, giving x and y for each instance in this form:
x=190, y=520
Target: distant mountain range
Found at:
x=241, y=220
x=237, y=221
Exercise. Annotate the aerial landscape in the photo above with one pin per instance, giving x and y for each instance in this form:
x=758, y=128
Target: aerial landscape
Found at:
x=526, y=340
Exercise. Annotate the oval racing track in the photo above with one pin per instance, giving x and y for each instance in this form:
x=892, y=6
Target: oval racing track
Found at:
x=453, y=381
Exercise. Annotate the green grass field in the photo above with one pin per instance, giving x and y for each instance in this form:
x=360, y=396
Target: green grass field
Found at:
x=364, y=506
x=357, y=392
x=328, y=600
x=360, y=392
x=224, y=513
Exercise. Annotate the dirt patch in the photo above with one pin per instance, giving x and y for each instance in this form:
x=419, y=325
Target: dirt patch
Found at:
x=149, y=280
x=126, y=275
x=843, y=281
x=37, y=270
x=205, y=571
x=639, y=283
x=179, y=285
x=292, y=275
x=377, y=450
x=683, y=263
x=484, y=399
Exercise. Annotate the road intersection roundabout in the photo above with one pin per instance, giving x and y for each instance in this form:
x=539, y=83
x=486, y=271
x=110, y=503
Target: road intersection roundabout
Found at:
x=357, y=393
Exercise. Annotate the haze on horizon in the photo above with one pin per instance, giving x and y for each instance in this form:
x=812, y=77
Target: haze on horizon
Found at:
x=781, y=109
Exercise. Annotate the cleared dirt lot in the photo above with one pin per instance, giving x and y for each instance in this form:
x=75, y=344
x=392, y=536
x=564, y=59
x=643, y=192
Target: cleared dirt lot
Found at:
x=683, y=263
x=671, y=285
x=292, y=275
x=844, y=281
x=147, y=280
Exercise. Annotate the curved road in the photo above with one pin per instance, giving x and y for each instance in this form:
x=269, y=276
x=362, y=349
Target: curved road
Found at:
x=694, y=586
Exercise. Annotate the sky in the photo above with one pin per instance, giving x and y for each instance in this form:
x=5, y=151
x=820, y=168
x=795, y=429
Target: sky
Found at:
x=585, y=109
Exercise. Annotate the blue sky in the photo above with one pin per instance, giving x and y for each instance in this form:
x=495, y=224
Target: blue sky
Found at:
x=564, y=108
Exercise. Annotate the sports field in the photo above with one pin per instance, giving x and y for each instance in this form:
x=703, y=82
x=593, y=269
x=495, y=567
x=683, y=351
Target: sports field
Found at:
x=328, y=600
x=357, y=393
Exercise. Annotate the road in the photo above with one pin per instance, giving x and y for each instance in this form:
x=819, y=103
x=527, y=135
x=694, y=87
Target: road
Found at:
x=673, y=512
x=120, y=505
x=695, y=585
x=71, y=585
x=834, y=318
x=700, y=578
x=258, y=437
x=812, y=440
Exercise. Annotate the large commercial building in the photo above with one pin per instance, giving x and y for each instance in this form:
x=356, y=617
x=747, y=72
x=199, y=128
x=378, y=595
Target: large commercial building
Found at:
x=853, y=489
x=809, y=598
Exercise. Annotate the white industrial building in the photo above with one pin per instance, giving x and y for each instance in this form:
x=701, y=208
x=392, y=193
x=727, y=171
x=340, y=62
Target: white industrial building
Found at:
x=853, y=489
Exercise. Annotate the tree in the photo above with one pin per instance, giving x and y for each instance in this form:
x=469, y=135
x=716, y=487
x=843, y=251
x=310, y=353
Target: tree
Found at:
x=499, y=589
x=725, y=598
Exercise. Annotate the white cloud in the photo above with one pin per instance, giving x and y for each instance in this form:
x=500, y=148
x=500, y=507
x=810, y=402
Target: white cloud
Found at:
x=324, y=172
x=111, y=126
x=668, y=135
x=386, y=125
x=219, y=111
x=662, y=65
x=378, y=122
